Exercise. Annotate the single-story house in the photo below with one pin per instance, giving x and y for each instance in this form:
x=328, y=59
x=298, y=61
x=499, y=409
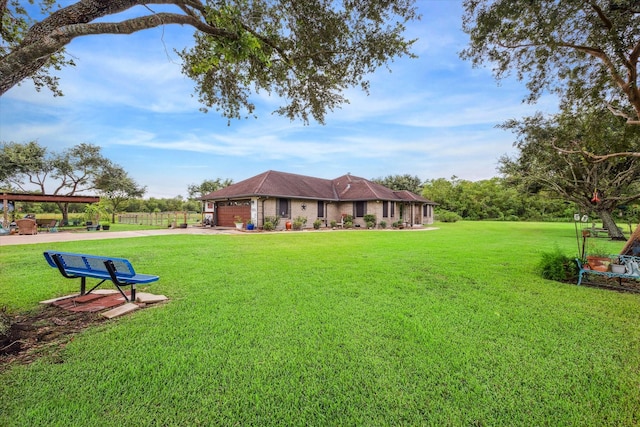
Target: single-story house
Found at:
x=290, y=196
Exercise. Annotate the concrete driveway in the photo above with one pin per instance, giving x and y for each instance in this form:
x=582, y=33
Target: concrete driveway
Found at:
x=68, y=236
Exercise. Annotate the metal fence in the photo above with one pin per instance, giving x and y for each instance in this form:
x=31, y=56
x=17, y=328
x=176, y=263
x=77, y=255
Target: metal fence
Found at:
x=160, y=218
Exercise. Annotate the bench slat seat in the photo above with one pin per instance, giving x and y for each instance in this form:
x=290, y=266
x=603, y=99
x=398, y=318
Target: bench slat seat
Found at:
x=138, y=278
x=117, y=270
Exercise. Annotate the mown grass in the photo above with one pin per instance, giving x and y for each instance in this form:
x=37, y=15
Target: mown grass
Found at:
x=446, y=327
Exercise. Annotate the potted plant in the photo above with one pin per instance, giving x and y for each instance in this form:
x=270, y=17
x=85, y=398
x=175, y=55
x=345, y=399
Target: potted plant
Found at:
x=598, y=259
x=238, y=222
x=250, y=225
x=617, y=267
x=105, y=226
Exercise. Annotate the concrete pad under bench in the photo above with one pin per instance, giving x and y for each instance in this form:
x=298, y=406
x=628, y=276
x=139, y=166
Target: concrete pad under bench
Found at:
x=119, y=311
x=147, y=298
x=51, y=301
x=104, y=291
x=104, y=299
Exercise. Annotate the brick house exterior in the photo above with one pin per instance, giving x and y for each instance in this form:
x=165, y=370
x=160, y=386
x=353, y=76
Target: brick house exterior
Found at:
x=290, y=196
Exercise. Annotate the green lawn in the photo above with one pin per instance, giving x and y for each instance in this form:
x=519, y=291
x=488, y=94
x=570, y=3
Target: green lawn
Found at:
x=377, y=328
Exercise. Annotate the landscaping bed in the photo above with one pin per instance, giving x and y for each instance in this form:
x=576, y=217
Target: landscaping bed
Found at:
x=25, y=337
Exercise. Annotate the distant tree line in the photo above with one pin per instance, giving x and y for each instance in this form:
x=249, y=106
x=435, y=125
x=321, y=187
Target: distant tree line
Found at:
x=500, y=199
x=540, y=184
x=151, y=205
x=491, y=199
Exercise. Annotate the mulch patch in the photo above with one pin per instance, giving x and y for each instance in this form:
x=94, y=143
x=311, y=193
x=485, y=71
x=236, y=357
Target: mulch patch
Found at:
x=25, y=337
x=46, y=330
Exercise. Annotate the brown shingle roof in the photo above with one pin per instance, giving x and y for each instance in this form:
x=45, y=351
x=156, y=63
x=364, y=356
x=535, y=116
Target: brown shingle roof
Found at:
x=289, y=185
x=413, y=197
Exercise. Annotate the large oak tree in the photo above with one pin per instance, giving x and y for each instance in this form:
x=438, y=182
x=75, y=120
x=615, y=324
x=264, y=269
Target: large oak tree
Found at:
x=596, y=185
x=583, y=50
x=75, y=171
x=305, y=52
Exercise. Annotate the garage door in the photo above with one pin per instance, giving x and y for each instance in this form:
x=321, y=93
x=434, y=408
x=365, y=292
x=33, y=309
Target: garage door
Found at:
x=227, y=211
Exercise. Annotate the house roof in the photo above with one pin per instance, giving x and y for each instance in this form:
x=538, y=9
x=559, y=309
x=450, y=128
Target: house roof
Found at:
x=288, y=185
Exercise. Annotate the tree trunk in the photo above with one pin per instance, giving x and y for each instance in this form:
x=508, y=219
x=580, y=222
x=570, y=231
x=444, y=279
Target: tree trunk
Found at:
x=607, y=222
x=64, y=208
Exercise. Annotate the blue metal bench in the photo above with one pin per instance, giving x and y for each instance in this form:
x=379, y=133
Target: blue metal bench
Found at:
x=80, y=266
x=632, y=271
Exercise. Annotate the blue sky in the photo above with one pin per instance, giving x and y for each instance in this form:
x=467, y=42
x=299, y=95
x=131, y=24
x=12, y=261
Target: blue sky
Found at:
x=433, y=117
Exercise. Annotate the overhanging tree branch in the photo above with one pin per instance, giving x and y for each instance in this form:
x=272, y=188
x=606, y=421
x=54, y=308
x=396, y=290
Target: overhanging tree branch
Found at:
x=35, y=51
x=139, y=24
x=306, y=52
x=596, y=158
x=556, y=52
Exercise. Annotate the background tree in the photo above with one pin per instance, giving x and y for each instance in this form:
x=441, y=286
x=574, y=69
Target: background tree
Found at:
x=401, y=182
x=598, y=186
x=116, y=188
x=22, y=165
x=207, y=186
x=305, y=52
x=73, y=172
x=493, y=199
x=584, y=51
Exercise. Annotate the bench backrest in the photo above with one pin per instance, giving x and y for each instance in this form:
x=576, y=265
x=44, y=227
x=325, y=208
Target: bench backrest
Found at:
x=627, y=258
x=83, y=263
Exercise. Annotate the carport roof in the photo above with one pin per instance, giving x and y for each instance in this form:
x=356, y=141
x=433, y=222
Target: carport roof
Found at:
x=50, y=198
x=26, y=197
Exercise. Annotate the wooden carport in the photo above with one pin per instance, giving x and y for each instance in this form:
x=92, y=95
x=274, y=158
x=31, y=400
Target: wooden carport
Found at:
x=49, y=198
